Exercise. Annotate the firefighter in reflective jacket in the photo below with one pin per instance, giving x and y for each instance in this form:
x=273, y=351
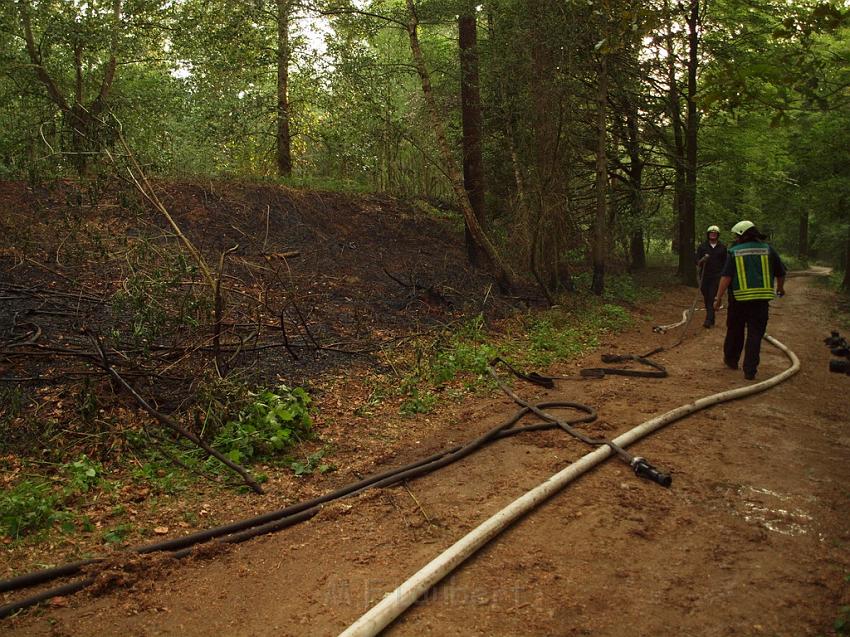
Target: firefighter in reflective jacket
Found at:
x=749, y=273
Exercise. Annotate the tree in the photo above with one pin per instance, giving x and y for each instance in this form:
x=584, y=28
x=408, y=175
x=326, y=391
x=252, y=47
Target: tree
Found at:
x=501, y=270
x=284, y=54
x=687, y=210
x=600, y=226
x=470, y=96
x=91, y=40
x=775, y=90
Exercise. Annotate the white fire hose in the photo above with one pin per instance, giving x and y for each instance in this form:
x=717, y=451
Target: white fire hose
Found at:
x=395, y=603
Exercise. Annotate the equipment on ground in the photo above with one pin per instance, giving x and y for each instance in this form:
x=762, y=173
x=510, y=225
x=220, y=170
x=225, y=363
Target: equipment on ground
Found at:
x=838, y=346
x=641, y=467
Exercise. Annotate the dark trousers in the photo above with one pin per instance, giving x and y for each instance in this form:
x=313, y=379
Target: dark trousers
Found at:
x=749, y=315
x=709, y=291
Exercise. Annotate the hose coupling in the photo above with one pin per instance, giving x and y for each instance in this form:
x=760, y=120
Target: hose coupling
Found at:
x=839, y=366
x=643, y=469
x=834, y=340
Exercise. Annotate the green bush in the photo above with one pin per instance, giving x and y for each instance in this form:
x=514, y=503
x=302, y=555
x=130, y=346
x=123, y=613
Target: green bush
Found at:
x=418, y=402
x=621, y=287
x=117, y=534
x=271, y=423
x=35, y=505
x=311, y=464
x=82, y=475
x=548, y=343
x=464, y=351
x=612, y=318
x=461, y=357
x=29, y=507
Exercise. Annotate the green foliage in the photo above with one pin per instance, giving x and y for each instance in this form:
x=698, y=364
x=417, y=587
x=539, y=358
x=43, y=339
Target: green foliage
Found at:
x=312, y=463
x=117, y=534
x=29, y=507
x=35, y=504
x=544, y=337
x=622, y=288
x=461, y=356
x=13, y=398
x=273, y=422
x=156, y=468
x=842, y=622
x=154, y=298
x=160, y=473
x=82, y=475
x=463, y=351
x=417, y=401
x=619, y=288
x=375, y=398
x=548, y=342
x=611, y=318
x=87, y=403
x=560, y=335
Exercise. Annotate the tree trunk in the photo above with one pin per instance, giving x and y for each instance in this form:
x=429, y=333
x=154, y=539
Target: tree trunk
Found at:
x=543, y=123
x=678, y=150
x=283, y=138
x=635, y=175
x=845, y=283
x=546, y=207
x=504, y=275
x=470, y=97
x=637, y=250
x=803, y=238
x=687, y=218
x=599, y=225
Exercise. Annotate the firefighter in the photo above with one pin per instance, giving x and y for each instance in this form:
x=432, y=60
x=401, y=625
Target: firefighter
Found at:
x=710, y=258
x=748, y=274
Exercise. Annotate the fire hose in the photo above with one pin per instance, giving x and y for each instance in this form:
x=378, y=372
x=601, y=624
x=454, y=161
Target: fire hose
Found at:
x=272, y=521
x=395, y=603
x=242, y=530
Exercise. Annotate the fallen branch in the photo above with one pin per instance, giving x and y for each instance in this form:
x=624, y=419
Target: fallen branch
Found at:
x=171, y=423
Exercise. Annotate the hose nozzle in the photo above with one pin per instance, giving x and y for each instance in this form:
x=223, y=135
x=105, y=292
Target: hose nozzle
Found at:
x=643, y=469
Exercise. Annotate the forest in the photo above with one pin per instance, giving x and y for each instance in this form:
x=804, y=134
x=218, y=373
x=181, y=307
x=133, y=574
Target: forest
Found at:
x=570, y=135
x=254, y=252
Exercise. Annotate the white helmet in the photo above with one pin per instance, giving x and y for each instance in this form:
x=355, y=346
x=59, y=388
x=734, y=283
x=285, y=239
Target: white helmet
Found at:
x=741, y=227
x=713, y=229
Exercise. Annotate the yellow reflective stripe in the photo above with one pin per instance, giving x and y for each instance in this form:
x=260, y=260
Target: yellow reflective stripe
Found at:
x=742, y=274
x=753, y=294
x=765, y=271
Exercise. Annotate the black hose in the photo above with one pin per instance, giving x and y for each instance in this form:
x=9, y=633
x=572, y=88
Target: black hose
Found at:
x=275, y=520
x=641, y=467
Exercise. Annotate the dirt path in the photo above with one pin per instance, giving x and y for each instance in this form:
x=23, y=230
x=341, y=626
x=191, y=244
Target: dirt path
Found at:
x=752, y=539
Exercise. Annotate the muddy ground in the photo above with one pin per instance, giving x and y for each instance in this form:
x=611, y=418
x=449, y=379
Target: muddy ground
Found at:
x=753, y=538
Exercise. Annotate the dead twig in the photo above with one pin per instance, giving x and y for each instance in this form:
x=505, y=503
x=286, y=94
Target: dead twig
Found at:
x=266, y=237
x=219, y=310
x=285, y=337
x=418, y=505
